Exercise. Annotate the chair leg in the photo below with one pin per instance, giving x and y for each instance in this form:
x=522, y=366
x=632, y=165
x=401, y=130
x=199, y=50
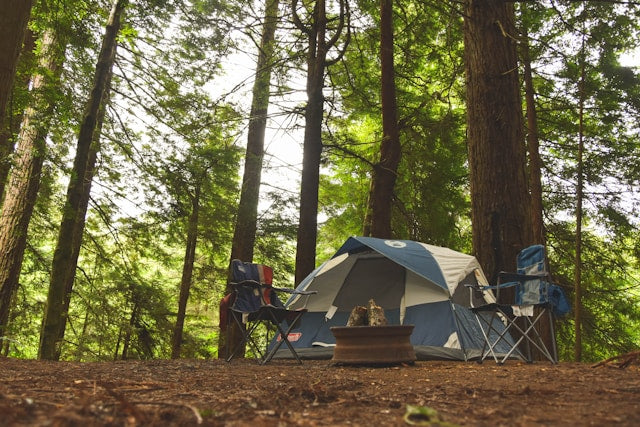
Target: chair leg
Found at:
x=486, y=334
x=532, y=336
x=246, y=338
x=554, y=344
x=284, y=337
x=491, y=342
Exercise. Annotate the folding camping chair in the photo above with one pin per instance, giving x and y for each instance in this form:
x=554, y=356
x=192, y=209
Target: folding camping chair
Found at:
x=534, y=298
x=256, y=302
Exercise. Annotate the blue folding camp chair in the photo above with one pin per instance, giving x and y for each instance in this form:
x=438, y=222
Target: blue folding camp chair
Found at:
x=533, y=298
x=256, y=302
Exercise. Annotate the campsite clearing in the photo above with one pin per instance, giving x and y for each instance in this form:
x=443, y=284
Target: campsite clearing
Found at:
x=215, y=393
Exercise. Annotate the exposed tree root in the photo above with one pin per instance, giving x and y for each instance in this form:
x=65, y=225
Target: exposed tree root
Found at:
x=624, y=360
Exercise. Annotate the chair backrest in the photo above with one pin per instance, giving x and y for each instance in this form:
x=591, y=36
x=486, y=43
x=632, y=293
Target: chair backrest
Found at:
x=531, y=261
x=533, y=282
x=241, y=271
x=253, y=286
x=528, y=279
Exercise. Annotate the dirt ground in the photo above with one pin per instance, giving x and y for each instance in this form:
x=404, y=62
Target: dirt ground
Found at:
x=283, y=393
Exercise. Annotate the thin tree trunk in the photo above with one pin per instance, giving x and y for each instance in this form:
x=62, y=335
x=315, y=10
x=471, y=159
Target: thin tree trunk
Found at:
x=535, y=181
x=117, y=350
x=187, y=272
x=577, y=305
x=385, y=172
x=317, y=61
x=24, y=180
x=80, y=347
x=82, y=211
x=246, y=224
x=499, y=193
x=366, y=223
x=312, y=146
x=62, y=259
x=13, y=23
x=533, y=144
x=127, y=336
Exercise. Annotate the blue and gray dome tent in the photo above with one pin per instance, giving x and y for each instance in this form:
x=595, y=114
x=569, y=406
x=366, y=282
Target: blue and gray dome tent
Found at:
x=416, y=284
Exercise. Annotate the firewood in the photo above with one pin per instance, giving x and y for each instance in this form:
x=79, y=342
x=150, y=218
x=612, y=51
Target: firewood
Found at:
x=358, y=316
x=627, y=359
x=375, y=313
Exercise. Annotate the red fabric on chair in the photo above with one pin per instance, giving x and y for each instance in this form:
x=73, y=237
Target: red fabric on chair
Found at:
x=266, y=274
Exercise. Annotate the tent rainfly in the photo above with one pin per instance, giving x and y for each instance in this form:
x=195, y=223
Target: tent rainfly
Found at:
x=416, y=284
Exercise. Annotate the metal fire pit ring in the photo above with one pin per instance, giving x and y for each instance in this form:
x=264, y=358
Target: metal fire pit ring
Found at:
x=388, y=344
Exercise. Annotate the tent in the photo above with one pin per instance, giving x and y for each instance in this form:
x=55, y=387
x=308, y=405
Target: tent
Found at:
x=416, y=284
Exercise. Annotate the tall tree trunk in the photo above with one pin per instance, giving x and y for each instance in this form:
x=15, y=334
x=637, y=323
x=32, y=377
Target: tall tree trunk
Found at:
x=244, y=235
x=62, y=259
x=385, y=171
x=533, y=144
x=187, y=272
x=13, y=23
x=535, y=181
x=318, y=45
x=499, y=194
x=24, y=181
x=246, y=223
x=133, y=320
x=312, y=146
x=13, y=116
x=577, y=304
x=82, y=211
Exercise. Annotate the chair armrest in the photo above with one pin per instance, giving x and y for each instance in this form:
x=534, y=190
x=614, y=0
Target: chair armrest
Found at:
x=517, y=277
x=251, y=283
x=294, y=291
x=495, y=289
x=304, y=295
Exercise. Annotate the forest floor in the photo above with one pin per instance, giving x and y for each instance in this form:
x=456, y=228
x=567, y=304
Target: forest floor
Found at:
x=283, y=393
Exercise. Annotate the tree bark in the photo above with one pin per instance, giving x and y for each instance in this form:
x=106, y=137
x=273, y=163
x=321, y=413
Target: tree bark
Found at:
x=244, y=235
x=385, y=171
x=246, y=223
x=13, y=23
x=319, y=45
x=133, y=320
x=533, y=145
x=62, y=259
x=312, y=147
x=8, y=130
x=187, y=273
x=82, y=211
x=577, y=303
x=24, y=181
x=535, y=180
x=499, y=194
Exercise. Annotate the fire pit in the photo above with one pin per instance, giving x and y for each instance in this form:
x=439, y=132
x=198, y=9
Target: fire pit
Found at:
x=387, y=344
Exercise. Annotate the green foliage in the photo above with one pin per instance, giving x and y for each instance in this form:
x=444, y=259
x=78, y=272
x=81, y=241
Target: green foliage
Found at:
x=431, y=202
x=599, y=33
x=610, y=294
